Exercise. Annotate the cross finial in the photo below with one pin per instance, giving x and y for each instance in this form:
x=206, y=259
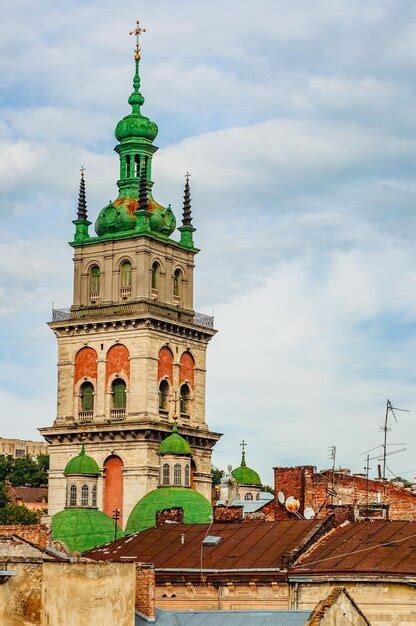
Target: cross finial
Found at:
x=137, y=32
x=82, y=170
x=243, y=446
x=243, y=452
x=187, y=177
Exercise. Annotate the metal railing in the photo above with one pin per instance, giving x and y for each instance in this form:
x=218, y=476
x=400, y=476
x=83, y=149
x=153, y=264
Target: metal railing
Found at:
x=204, y=320
x=59, y=315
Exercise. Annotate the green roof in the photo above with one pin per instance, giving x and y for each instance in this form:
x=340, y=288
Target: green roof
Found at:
x=245, y=475
x=196, y=508
x=83, y=529
x=82, y=464
x=175, y=444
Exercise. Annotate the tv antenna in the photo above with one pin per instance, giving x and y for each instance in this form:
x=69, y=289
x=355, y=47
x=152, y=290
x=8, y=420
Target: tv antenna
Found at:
x=332, y=453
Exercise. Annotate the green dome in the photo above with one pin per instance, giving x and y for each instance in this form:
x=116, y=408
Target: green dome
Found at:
x=82, y=464
x=136, y=125
x=246, y=476
x=175, y=444
x=83, y=529
x=196, y=508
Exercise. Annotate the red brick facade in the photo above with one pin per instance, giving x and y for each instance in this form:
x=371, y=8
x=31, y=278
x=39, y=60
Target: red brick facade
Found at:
x=38, y=534
x=85, y=364
x=313, y=489
x=187, y=367
x=117, y=363
x=165, y=364
x=145, y=591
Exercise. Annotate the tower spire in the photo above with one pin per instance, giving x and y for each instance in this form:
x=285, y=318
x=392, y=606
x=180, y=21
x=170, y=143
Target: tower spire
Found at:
x=143, y=188
x=187, y=213
x=243, y=453
x=136, y=99
x=82, y=202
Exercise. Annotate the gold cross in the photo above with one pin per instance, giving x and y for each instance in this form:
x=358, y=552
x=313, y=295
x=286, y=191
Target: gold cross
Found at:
x=137, y=32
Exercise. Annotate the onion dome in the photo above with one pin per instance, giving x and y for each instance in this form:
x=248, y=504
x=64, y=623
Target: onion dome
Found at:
x=136, y=125
x=82, y=464
x=175, y=444
x=196, y=508
x=83, y=529
x=245, y=475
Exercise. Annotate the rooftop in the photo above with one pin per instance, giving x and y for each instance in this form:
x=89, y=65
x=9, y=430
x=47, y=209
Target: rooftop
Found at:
x=228, y=618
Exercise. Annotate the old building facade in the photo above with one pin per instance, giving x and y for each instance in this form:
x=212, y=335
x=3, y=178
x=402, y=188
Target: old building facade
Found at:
x=131, y=348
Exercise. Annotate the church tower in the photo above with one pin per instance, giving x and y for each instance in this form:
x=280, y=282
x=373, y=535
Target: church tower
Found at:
x=131, y=348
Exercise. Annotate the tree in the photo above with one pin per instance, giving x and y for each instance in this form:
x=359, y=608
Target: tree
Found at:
x=18, y=514
x=268, y=488
x=6, y=466
x=25, y=471
x=216, y=474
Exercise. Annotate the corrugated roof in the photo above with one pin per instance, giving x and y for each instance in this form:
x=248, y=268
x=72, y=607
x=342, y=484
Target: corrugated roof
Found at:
x=248, y=545
x=228, y=618
x=377, y=546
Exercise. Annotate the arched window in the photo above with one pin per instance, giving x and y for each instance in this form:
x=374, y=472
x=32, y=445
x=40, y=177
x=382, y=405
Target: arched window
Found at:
x=164, y=395
x=94, y=496
x=156, y=276
x=127, y=165
x=185, y=400
x=125, y=275
x=86, y=393
x=73, y=495
x=166, y=474
x=177, y=283
x=84, y=495
x=137, y=165
x=94, y=283
x=177, y=474
x=119, y=393
x=187, y=475
x=248, y=496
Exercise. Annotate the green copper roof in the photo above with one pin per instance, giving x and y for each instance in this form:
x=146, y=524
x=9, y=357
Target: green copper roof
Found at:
x=197, y=509
x=136, y=125
x=83, y=529
x=82, y=464
x=175, y=444
x=245, y=475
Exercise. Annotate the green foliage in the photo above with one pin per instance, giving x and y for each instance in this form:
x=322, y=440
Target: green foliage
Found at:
x=216, y=474
x=17, y=514
x=4, y=499
x=24, y=470
x=406, y=483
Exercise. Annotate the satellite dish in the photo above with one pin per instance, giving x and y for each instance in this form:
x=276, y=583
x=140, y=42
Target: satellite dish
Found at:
x=281, y=497
x=308, y=513
x=292, y=504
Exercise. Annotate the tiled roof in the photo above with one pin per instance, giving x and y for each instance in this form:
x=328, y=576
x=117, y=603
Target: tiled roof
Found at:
x=366, y=547
x=250, y=545
x=28, y=494
x=228, y=618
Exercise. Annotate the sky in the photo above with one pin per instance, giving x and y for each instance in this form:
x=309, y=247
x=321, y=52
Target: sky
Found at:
x=297, y=122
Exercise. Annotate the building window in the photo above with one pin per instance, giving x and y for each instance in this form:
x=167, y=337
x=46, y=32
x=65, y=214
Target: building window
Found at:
x=73, y=495
x=177, y=474
x=248, y=496
x=257, y=496
x=166, y=474
x=95, y=274
x=84, y=495
x=19, y=452
x=86, y=393
x=187, y=475
x=94, y=496
x=128, y=165
x=177, y=284
x=164, y=396
x=125, y=275
x=119, y=393
x=156, y=276
x=185, y=400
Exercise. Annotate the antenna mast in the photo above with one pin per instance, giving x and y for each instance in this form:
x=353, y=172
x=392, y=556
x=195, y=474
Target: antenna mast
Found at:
x=332, y=453
x=385, y=428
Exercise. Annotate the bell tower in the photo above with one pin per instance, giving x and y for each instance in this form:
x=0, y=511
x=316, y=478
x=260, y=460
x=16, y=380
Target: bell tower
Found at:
x=131, y=348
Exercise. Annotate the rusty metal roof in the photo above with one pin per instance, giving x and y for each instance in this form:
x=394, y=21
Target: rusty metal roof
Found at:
x=254, y=545
x=228, y=618
x=365, y=547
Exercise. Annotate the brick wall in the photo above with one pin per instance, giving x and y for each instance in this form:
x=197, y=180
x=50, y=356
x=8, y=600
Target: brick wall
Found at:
x=169, y=515
x=145, y=590
x=313, y=488
x=227, y=513
x=37, y=534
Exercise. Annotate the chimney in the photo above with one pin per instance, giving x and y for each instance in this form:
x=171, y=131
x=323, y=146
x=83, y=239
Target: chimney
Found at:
x=145, y=591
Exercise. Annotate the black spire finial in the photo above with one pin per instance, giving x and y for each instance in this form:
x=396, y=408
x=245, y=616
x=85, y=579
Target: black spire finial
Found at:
x=187, y=214
x=82, y=202
x=143, y=188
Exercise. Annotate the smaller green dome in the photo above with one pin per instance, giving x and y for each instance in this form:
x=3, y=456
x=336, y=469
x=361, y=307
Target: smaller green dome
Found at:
x=82, y=464
x=196, y=508
x=175, y=444
x=245, y=475
x=83, y=529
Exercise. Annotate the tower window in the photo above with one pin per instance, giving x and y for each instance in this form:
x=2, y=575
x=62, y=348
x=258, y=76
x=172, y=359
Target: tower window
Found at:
x=125, y=276
x=177, y=474
x=87, y=397
x=73, y=495
x=94, y=283
x=177, y=283
x=137, y=165
x=127, y=165
x=187, y=475
x=248, y=496
x=166, y=474
x=164, y=395
x=156, y=276
x=119, y=393
x=94, y=496
x=84, y=495
x=185, y=399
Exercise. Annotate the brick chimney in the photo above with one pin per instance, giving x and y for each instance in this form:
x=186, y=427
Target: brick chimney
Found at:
x=223, y=513
x=294, y=481
x=169, y=515
x=145, y=591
